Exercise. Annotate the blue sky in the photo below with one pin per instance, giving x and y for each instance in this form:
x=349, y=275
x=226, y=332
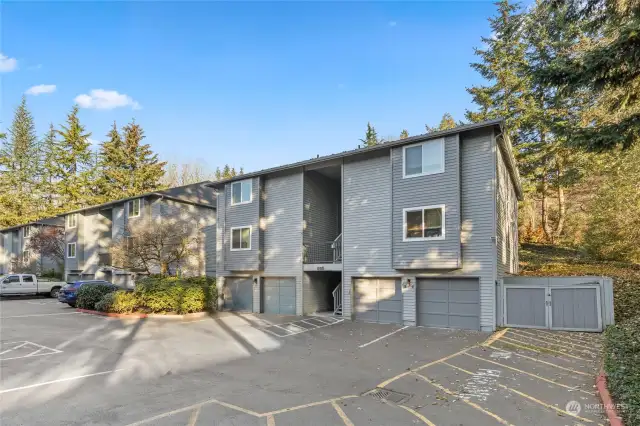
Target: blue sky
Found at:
x=250, y=84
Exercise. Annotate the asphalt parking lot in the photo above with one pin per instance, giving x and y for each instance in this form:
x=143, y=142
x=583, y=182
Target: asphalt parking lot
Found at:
x=58, y=366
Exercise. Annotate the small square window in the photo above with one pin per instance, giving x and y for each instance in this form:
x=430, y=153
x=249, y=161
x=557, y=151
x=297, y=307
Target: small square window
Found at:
x=26, y=256
x=71, y=250
x=241, y=192
x=241, y=238
x=424, y=223
x=134, y=207
x=72, y=220
x=425, y=158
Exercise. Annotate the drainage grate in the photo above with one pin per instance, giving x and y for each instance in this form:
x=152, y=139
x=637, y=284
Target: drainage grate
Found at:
x=382, y=394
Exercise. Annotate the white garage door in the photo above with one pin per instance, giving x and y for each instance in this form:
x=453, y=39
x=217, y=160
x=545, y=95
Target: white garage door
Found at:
x=450, y=303
x=378, y=300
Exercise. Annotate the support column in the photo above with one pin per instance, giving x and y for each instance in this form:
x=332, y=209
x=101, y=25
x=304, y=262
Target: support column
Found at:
x=220, y=280
x=409, y=315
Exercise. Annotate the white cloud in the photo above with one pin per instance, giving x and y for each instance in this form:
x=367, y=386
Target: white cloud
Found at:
x=105, y=99
x=8, y=64
x=93, y=142
x=392, y=23
x=40, y=89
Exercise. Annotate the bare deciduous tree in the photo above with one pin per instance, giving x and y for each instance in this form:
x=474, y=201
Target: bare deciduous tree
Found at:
x=154, y=246
x=48, y=241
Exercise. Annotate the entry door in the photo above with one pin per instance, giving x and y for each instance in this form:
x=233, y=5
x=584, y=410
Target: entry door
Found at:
x=279, y=296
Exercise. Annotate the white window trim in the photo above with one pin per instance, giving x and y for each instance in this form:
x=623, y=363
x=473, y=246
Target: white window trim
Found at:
x=139, y=207
x=404, y=160
x=26, y=231
x=26, y=256
x=250, y=192
x=69, y=226
x=423, y=208
x=250, y=236
x=74, y=250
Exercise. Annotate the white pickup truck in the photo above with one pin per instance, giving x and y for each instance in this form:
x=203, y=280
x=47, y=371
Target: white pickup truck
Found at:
x=16, y=284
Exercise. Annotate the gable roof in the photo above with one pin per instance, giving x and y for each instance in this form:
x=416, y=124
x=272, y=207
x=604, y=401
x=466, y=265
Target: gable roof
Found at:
x=195, y=194
x=498, y=123
x=50, y=221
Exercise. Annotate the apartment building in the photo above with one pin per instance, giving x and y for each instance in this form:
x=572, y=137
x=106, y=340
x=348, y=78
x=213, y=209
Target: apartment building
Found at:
x=15, y=255
x=415, y=231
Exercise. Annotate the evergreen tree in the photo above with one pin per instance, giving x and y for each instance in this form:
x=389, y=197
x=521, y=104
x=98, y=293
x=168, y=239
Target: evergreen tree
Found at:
x=48, y=167
x=447, y=122
x=370, y=137
x=114, y=176
x=74, y=160
x=404, y=134
x=140, y=162
x=19, y=169
x=226, y=172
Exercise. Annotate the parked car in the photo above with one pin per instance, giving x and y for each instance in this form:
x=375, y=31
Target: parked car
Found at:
x=19, y=284
x=69, y=293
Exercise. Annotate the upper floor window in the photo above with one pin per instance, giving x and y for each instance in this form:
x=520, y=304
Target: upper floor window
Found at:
x=241, y=238
x=72, y=220
x=26, y=256
x=424, y=223
x=425, y=158
x=134, y=207
x=241, y=192
x=71, y=250
x=26, y=231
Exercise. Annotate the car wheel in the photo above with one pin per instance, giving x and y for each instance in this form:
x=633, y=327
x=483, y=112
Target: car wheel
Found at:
x=73, y=305
x=54, y=292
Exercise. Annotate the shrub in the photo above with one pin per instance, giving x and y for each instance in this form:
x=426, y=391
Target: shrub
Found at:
x=121, y=302
x=104, y=304
x=622, y=365
x=90, y=294
x=172, y=294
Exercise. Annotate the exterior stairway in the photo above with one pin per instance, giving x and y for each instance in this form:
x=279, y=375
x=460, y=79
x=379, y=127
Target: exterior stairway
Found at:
x=337, y=300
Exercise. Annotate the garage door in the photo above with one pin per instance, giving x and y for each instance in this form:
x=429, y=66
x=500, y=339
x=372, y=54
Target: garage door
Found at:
x=377, y=300
x=280, y=296
x=73, y=277
x=451, y=303
x=238, y=294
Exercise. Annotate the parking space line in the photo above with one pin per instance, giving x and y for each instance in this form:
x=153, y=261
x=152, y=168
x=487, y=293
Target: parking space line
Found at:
x=288, y=331
x=537, y=401
x=528, y=335
x=545, y=362
x=382, y=337
x=418, y=415
x=41, y=315
x=495, y=336
x=564, y=336
x=342, y=414
x=172, y=412
x=193, y=418
x=472, y=404
x=530, y=374
x=552, y=344
x=12, y=349
x=540, y=349
x=271, y=421
x=311, y=404
x=66, y=379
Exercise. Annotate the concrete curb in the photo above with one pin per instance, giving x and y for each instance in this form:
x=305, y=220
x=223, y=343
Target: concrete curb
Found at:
x=605, y=397
x=169, y=317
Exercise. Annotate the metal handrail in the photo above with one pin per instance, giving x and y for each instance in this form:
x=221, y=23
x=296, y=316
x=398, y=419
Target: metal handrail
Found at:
x=337, y=249
x=323, y=252
x=337, y=299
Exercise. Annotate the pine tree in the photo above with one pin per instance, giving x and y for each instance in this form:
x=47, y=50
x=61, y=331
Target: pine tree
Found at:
x=370, y=137
x=74, y=160
x=19, y=169
x=404, y=134
x=226, y=172
x=141, y=163
x=447, y=122
x=114, y=176
x=48, y=166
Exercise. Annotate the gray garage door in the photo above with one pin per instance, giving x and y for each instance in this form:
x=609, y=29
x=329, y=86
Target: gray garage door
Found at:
x=377, y=300
x=451, y=303
x=279, y=296
x=526, y=307
x=73, y=277
x=238, y=294
x=575, y=308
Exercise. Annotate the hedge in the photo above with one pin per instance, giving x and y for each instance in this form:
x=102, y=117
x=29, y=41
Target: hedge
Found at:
x=90, y=294
x=622, y=366
x=165, y=295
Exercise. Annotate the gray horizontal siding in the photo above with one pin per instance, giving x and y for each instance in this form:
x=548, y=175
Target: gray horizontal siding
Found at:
x=195, y=193
x=321, y=208
x=366, y=222
x=506, y=215
x=237, y=216
x=435, y=189
x=282, y=230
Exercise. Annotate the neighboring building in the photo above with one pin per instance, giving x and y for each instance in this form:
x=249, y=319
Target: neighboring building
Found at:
x=415, y=231
x=14, y=253
x=89, y=232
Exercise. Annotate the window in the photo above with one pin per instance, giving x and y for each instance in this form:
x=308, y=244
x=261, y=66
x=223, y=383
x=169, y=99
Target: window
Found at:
x=27, y=279
x=424, y=223
x=26, y=231
x=72, y=220
x=71, y=250
x=26, y=256
x=241, y=238
x=134, y=207
x=12, y=279
x=422, y=159
x=241, y=192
